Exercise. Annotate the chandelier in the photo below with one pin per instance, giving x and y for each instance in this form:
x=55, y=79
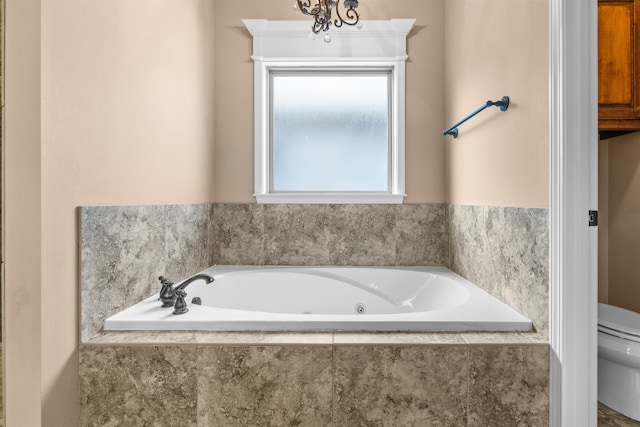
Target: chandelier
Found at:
x=323, y=9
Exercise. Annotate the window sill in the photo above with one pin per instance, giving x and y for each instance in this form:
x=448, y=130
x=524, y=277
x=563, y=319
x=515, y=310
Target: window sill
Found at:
x=330, y=198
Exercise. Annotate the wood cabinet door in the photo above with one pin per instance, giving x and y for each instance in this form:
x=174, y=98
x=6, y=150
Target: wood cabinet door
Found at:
x=618, y=65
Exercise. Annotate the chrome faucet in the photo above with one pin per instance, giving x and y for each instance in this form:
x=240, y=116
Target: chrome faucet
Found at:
x=173, y=296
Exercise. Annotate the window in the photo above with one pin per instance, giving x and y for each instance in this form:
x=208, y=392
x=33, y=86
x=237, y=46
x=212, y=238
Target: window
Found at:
x=330, y=131
x=329, y=118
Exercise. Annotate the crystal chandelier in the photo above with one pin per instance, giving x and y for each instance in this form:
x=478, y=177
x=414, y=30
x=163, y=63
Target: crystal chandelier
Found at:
x=323, y=9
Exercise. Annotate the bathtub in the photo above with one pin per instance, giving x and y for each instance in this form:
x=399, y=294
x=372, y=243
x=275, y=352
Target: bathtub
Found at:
x=328, y=298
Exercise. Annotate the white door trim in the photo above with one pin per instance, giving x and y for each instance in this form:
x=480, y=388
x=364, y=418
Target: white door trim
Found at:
x=573, y=191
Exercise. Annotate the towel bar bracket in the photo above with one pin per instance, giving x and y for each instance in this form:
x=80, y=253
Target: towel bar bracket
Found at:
x=503, y=103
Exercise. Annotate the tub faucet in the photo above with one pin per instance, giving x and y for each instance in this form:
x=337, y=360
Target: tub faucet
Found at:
x=169, y=293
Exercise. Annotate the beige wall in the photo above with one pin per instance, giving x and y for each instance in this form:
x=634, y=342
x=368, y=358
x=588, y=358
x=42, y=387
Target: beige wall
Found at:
x=603, y=221
x=493, y=48
x=424, y=105
x=496, y=48
x=22, y=254
x=108, y=102
x=624, y=219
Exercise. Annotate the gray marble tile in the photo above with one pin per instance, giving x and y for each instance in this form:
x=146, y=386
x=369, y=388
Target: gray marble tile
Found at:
x=211, y=338
x=212, y=231
x=238, y=234
x=297, y=234
x=467, y=242
x=607, y=417
x=401, y=386
x=143, y=338
x=122, y=252
x=397, y=338
x=537, y=337
x=187, y=240
x=505, y=251
x=330, y=234
x=362, y=235
x=264, y=386
x=518, y=262
x=508, y=386
x=265, y=338
x=421, y=235
x=137, y=386
x=496, y=338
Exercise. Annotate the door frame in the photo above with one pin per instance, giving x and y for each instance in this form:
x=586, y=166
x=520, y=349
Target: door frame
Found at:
x=573, y=143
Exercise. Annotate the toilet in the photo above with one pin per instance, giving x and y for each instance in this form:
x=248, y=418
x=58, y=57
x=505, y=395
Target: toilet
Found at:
x=619, y=360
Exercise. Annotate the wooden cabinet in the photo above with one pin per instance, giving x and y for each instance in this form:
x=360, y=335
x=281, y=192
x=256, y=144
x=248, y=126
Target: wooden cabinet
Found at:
x=619, y=65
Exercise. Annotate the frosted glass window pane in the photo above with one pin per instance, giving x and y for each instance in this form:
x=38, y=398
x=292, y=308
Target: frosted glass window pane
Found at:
x=330, y=132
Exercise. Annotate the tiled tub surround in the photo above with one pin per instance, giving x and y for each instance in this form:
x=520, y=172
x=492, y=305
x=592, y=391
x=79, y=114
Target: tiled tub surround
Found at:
x=124, y=249
x=314, y=379
x=339, y=235
x=504, y=251
x=309, y=379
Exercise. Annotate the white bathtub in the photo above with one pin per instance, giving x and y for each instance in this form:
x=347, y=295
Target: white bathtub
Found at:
x=328, y=298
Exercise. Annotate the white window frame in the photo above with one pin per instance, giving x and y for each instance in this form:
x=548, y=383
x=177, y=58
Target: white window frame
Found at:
x=286, y=45
x=341, y=71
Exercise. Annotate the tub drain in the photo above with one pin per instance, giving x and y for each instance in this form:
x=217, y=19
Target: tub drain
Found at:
x=360, y=308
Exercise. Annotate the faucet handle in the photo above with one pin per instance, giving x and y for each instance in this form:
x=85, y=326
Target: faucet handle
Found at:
x=167, y=295
x=181, y=305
